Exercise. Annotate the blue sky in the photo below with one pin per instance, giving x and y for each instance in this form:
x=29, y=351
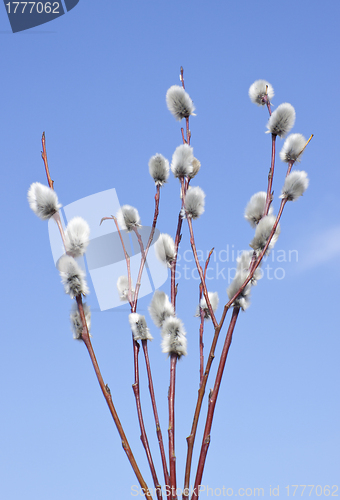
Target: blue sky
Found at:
x=95, y=81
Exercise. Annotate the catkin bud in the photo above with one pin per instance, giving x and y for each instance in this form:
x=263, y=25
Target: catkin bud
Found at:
x=42, y=200
x=295, y=185
x=179, y=102
x=282, y=120
x=258, y=90
x=128, y=217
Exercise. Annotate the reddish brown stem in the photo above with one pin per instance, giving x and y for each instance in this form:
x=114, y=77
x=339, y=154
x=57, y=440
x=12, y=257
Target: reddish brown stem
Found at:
x=44, y=157
x=171, y=430
x=200, y=272
x=145, y=253
x=212, y=402
x=202, y=314
x=177, y=241
x=143, y=436
x=201, y=342
x=127, y=258
x=191, y=437
x=87, y=341
x=107, y=395
x=155, y=412
x=270, y=177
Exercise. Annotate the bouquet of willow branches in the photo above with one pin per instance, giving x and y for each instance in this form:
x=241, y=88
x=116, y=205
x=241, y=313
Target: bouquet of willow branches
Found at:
x=259, y=212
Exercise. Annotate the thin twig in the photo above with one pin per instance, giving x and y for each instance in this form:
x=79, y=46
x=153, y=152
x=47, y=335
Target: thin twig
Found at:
x=200, y=272
x=107, y=395
x=44, y=157
x=191, y=437
x=155, y=412
x=145, y=253
x=270, y=177
x=143, y=437
x=202, y=315
x=127, y=258
x=171, y=430
x=212, y=402
x=87, y=341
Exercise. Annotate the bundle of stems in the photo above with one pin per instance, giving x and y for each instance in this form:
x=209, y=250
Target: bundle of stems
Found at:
x=258, y=212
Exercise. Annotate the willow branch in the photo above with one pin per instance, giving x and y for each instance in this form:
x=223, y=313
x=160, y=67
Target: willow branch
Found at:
x=155, y=412
x=127, y=258
x=200, y=272
x=171, y=429
x=44, y=157
x=145, y=253
x=107, y=395
x=212, y=402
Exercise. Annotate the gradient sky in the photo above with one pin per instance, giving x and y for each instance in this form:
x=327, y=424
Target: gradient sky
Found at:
x=95, y=81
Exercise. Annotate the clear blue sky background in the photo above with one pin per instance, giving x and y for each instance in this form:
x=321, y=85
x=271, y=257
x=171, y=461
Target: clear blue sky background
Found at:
x=95, y=81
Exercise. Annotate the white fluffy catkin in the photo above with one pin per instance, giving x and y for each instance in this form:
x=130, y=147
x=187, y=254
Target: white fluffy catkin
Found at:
x=123, y=288
x=174, y=337
x=139, y=327
x=282, y=120
x=258, y=90
x=194, y=202
x=72, y=276
x=181, y=164
x=165, y=249
x=179, y=102
x=262, y=233
x=292, y=148
x=159, y=169
x=160, y=308
x=214, y=300
x=128, y=217
x=295, y=185
x=76, y=324
x=77, y=236
x=42, y=200
x=255, y=208
x=243, y=300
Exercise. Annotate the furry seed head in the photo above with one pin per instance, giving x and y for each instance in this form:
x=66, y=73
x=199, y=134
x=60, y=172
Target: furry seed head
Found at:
x=123, y=288
x=295, y=185
x=72, y=276
x=258, y=90
x=42, y=200
x=77, y=236
x=282, y=120
x=214, y=300
x=194, y=202
x=160, y=308
x=128, y=217
x=262, y=233
x=255, y=208
x=179, y=102
x=174, y=337
x=182, y=159
x=165, y=249
x=139, y=327
x=76, y=324
x=292, y=148
x=243, y=300
x=159, y=169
